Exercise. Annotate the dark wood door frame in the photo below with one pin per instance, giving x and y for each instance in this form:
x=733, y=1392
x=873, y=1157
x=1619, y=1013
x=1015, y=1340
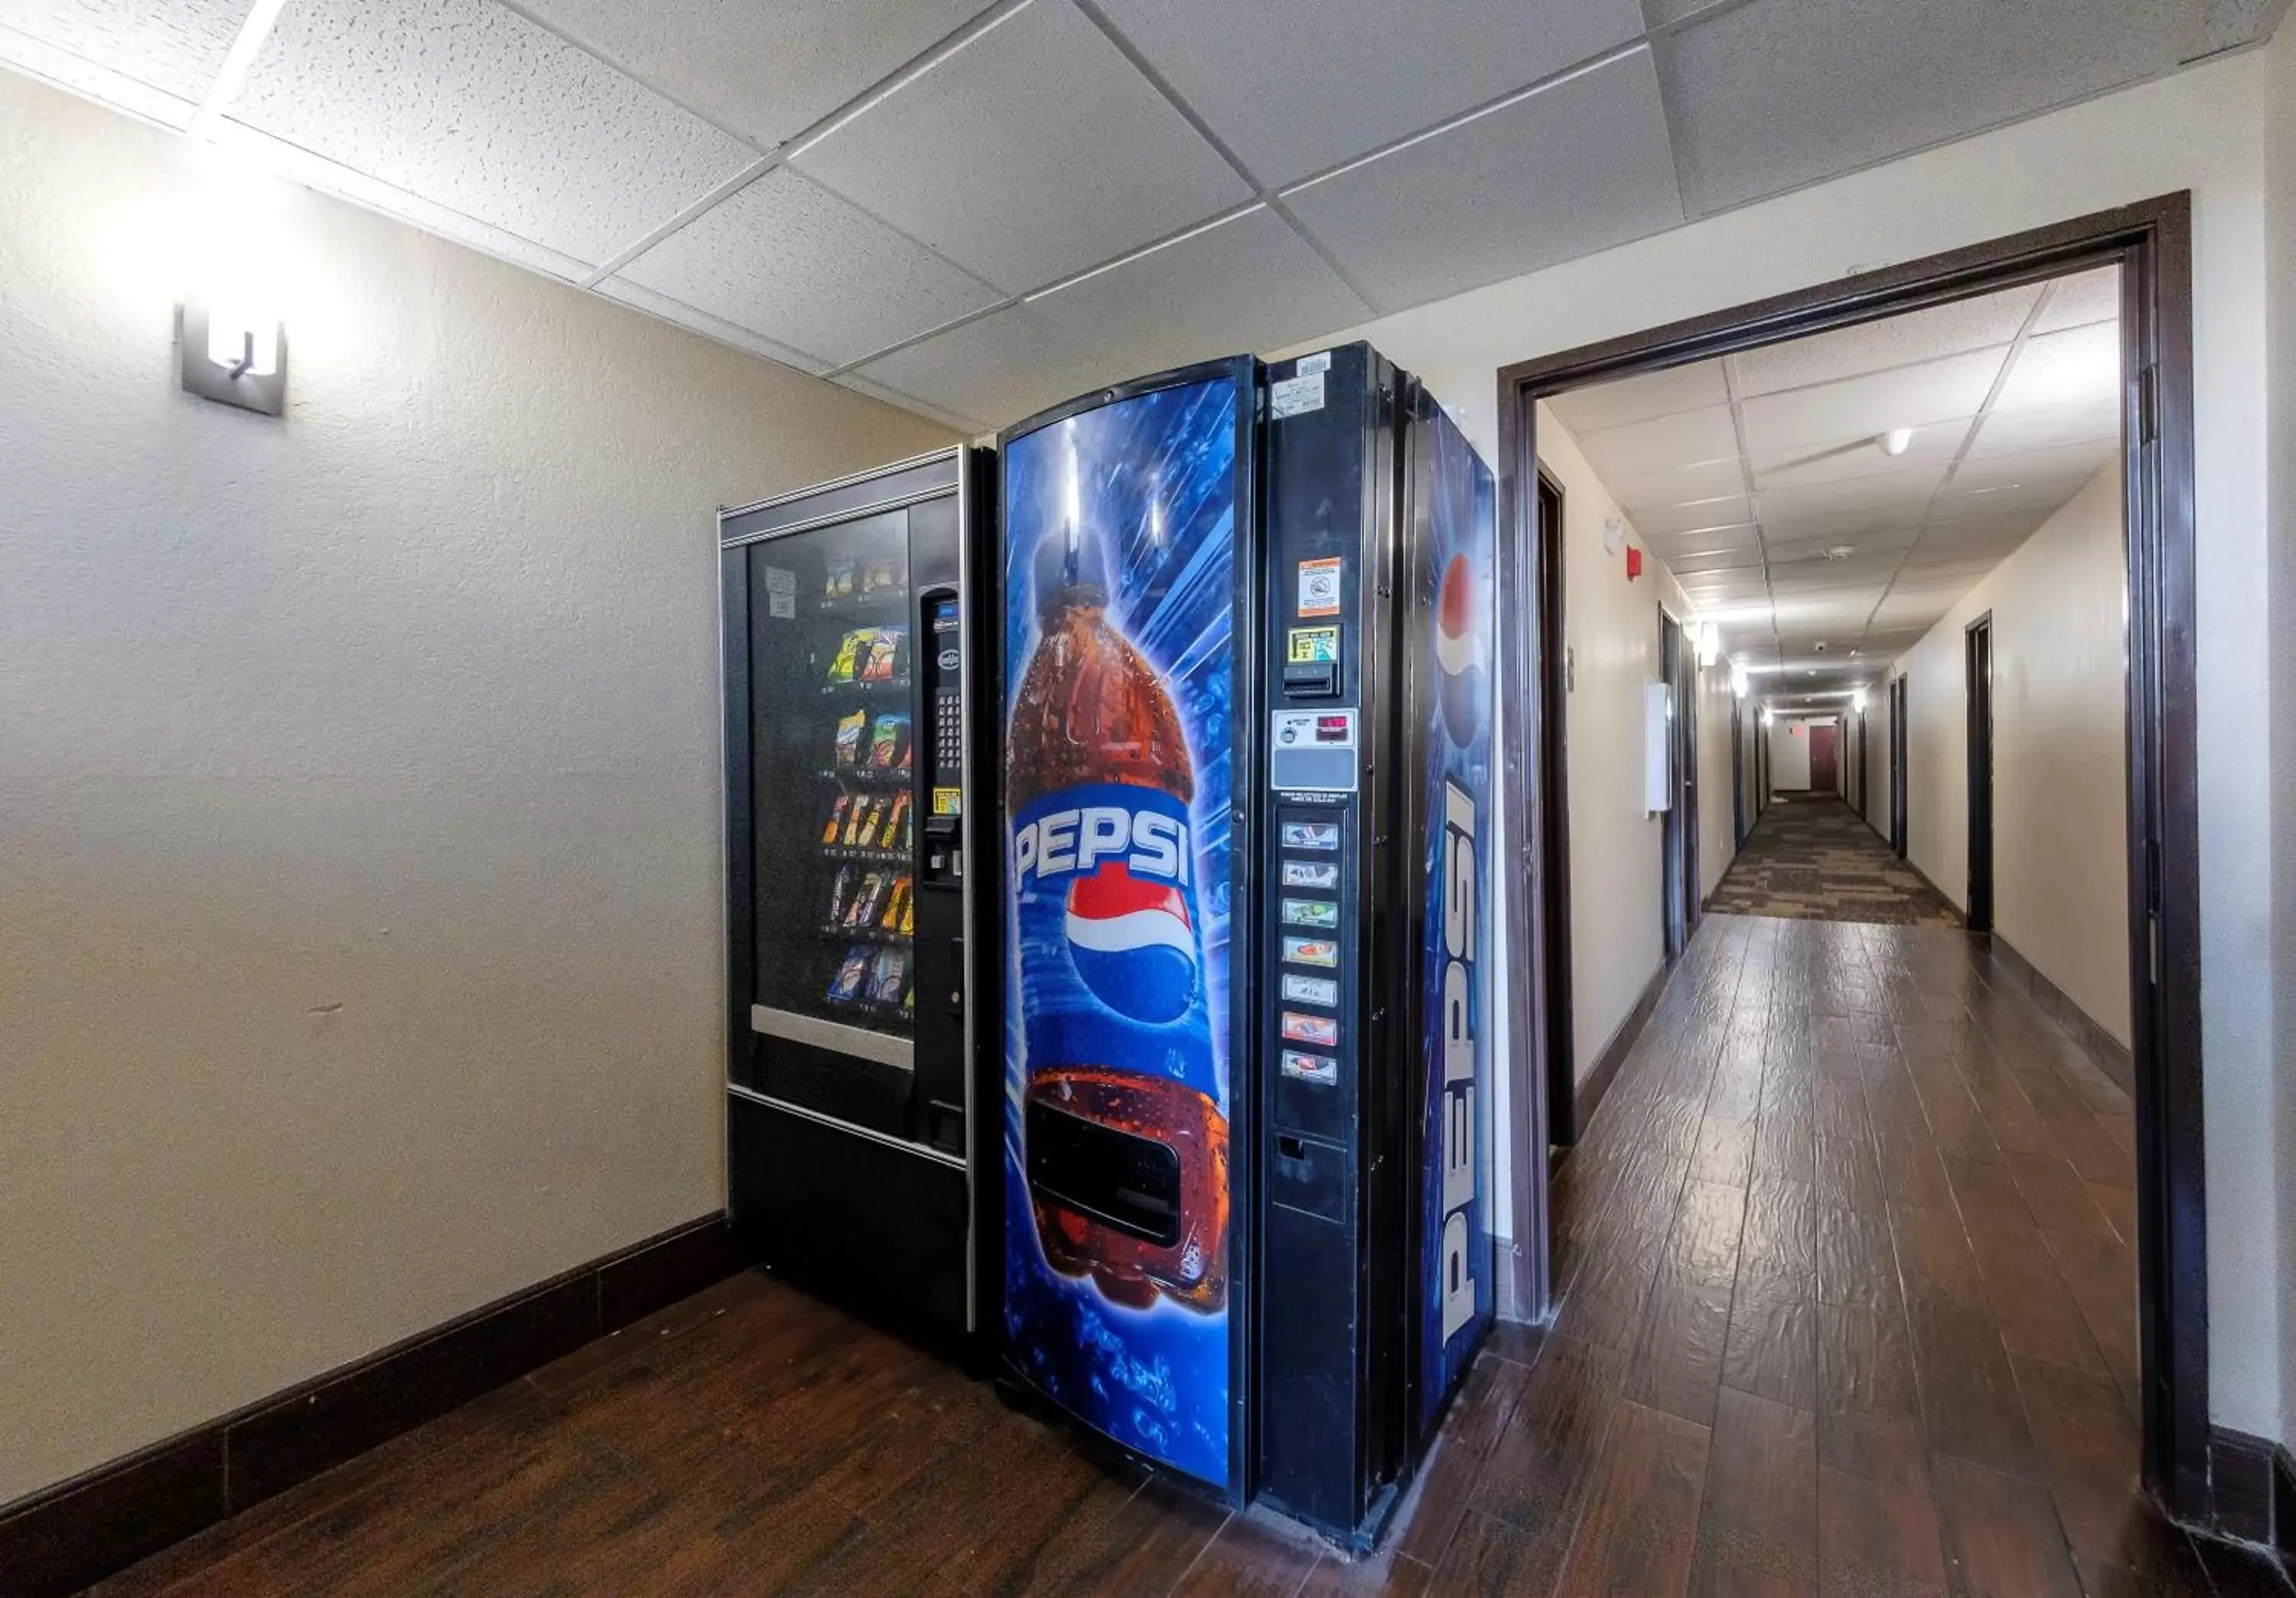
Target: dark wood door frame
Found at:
x=1976, y=688
x=1552, y=883
x=2150, y=242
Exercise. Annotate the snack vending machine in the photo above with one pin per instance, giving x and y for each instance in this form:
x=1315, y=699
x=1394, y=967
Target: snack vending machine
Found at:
x=851, y=1126
x=1245, y=796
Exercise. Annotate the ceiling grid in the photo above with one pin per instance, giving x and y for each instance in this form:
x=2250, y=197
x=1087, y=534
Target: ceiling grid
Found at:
x=1307, y=163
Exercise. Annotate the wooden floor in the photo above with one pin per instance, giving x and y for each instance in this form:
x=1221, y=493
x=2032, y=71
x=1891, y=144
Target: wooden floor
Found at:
x=1846, y=1294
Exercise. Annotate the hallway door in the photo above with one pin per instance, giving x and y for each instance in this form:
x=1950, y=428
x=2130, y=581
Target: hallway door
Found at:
x=1978, y=661
x=1553, y=832
x=1677, y=879
x=1825, y=771
x=1898, y=766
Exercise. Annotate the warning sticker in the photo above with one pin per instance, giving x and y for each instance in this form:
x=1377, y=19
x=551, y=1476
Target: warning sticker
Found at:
x=1319, y=586
x=948, y=801
x=1311, y=1068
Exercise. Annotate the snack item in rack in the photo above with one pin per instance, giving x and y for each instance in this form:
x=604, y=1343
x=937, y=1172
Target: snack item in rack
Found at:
x=856, y=819
x=909, y=912
x=884, y=571
x=841, y=580
x=885, y=981
x=838, y=892
x=872, y=810
x=850, y=975
x=849, y=729
x=897, y=905
x=858, y=909
x=896, y=822
x=888, y=739
x=850, y=650
x=880, y=649
x=836, y=818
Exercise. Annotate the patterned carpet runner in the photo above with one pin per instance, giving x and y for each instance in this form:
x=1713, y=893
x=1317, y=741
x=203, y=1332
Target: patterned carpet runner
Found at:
x=1811, y=858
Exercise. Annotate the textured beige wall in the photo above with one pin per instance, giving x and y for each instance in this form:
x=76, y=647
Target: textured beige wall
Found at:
x=2060, y=751
x=1617, y=942
x=2280, y=249
x=360, y=910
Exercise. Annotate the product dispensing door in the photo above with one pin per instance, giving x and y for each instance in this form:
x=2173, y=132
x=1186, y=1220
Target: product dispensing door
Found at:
x=851, y=1125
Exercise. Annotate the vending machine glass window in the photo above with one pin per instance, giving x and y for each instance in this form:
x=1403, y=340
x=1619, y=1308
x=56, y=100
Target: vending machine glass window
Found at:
x=835, y=818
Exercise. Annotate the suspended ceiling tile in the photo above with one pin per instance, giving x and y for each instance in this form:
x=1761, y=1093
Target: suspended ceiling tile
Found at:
x=1701, y=516
x=909, y=401
x=1953, y=541
x=1843, y=459
x=1723, y=558
x=2083, y=459
x=1935, y=391
x=1582, y=165
x=1639, y=398
x=800, y=267
x=2082, y=299
x=1034, y=151
x=638, y=297
x=2037, y=496
x=1905, y=492
x=467, y=105
x=2072, y=367
x=1708, y=479
x=1007, y=365
x=1839, y=525
x=174, y=47
x=1640, y=448
x=2033, y=427
x=1295, y=86
x=1781, y=93
x=767, y=72
x=1248, y=284
x=1899, y=341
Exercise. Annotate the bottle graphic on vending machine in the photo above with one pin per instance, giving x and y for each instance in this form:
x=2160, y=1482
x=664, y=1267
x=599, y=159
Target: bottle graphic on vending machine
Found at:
x=1126, y=1143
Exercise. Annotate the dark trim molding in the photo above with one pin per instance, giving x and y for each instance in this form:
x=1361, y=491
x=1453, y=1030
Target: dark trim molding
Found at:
x=2150, y=242
x=1622, y=1043
x=2284, y=1509
x=66, y=1536
x=2241, y=1472
x=2110, y=1054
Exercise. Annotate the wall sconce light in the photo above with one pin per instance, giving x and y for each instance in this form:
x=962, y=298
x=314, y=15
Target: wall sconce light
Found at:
x=1710, y=644
x=1857, y=701
x=1739, y=681
x=1769, y=719
x=234, y=356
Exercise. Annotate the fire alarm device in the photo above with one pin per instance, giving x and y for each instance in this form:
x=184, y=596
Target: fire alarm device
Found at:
x=1634, y=562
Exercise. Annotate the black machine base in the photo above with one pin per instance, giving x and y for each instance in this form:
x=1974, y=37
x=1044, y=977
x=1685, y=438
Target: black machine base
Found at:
x=873, y=1225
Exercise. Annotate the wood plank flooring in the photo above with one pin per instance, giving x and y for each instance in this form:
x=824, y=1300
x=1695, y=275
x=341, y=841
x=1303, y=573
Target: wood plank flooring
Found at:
x=1846, y=1294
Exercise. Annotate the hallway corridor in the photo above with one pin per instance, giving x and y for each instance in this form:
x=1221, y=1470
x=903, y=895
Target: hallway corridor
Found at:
x=1846, y=1284
x=1811, y=858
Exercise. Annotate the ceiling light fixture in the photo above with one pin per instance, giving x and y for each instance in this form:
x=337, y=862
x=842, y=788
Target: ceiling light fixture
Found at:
x=1896, y=441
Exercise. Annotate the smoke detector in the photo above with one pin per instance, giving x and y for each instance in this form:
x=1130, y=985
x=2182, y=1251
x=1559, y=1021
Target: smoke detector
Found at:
x=1896, y=441
x=1838, y=552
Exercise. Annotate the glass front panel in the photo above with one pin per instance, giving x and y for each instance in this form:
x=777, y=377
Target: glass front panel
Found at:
x=830, y=657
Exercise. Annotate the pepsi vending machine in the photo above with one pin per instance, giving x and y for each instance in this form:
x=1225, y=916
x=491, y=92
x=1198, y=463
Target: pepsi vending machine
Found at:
x=1245, y=791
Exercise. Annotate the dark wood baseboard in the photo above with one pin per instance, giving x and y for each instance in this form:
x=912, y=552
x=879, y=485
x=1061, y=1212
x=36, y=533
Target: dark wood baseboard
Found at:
x=2284, y=1511
x=1614, y=1052
x=64, y=1538
x=2110, y=1056
x=2245, y=1475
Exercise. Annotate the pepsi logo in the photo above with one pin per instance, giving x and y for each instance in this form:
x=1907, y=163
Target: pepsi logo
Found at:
x=1133, y=943
x=1459, y=650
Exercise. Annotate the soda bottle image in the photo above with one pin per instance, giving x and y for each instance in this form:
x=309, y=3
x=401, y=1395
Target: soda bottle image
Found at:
x=1126, y=1145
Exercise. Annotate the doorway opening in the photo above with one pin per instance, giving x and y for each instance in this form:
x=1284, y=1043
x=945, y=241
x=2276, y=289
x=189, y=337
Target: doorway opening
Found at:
x=2142, y=253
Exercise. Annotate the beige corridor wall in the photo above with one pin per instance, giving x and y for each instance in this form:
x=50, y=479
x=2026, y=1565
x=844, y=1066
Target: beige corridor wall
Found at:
x=1611, y=625
x=2280, y=201
x=360, y=925
x=2060, y=751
